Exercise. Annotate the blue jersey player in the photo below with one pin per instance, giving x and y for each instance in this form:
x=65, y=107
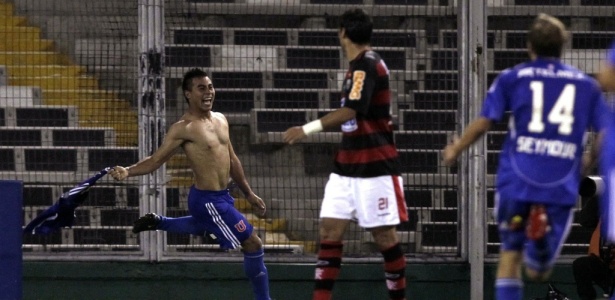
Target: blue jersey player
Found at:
x=552, y=106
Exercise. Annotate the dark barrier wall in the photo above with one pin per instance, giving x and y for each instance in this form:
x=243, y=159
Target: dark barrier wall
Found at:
x=182, y=280
x=11, y=218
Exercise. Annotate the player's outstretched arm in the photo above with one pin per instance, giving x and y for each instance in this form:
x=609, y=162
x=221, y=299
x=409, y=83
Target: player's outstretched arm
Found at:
x=330, y=120
x=149, y=164
x=475, y=130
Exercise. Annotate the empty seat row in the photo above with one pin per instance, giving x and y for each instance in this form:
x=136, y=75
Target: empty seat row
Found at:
x=271, y=58
x=39, y=116
x=501, y=39
x=330, y=58
x=80, y=159
x=56, y=136
x=440, y=59
x=286, y=36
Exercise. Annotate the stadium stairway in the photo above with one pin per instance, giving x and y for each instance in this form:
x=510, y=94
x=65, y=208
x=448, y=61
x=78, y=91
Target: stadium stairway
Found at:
x=32, y=60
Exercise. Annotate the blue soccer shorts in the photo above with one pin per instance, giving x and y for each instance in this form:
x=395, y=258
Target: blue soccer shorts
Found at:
x=216, y=213
x=536, y=256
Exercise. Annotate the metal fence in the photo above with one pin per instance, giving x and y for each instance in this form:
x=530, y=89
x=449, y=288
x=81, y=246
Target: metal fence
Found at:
x=87, y=85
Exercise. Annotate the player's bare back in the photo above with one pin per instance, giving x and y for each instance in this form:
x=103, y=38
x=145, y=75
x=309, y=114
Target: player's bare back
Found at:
x=206, y=144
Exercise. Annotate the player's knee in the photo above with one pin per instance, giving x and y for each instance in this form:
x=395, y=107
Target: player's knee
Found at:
x=385, y=238
x=327, y=234
x=252, y=244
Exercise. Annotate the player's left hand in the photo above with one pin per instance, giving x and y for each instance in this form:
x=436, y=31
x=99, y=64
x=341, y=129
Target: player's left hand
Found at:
x=293, y=134
x=258, y=205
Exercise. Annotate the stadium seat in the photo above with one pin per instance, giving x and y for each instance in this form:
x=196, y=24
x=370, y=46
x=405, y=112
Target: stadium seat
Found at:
x=56, y=136
x=428, y=120
x=198, y=36
x=187, y=56
x=118, y=216
x=300, y=80
x=435, y=100
x=38, y=195
x=260, y=37
x=313, y=58
x=417, y=198
x=418, y=161
x=23, y=137
x=7, y=160
x=440, y=234
x=45, y=116
x=434, y=140
x=291, y=99
x=50, y=159
x=444, y=60
x=99, y=158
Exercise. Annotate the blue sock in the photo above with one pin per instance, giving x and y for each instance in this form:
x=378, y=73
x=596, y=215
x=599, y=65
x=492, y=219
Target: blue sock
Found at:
x=508, y=289
x=255, y=270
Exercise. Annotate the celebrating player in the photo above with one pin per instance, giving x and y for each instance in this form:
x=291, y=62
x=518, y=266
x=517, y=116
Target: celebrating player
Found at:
x=552, y=105
x=365, y=183
x=204, y=137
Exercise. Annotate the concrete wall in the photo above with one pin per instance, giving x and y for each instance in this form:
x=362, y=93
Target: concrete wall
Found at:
x=206, y=280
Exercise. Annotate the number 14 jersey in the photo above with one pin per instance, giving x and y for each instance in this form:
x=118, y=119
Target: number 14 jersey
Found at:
x=552, y=106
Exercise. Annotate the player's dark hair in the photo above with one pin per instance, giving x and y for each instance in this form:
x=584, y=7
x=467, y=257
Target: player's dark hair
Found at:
x=358, y=26
x=187, y=81
x=547, y=36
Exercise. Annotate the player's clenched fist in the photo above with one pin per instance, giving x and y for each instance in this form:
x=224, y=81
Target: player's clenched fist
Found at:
x=119, y=173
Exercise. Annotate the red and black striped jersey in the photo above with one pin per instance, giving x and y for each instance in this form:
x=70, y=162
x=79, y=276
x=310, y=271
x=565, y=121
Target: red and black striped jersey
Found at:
x=367, y=148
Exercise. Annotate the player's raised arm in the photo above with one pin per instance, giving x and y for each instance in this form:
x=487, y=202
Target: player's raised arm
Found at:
x=171, y=142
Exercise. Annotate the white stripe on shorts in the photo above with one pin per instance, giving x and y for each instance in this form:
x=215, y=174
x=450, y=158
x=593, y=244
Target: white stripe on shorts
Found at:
x=226, y=231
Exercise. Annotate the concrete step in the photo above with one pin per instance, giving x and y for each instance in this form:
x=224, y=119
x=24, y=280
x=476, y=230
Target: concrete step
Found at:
x=25, y=44
x=10, y=58
x=77, y=94
x=106, y=52
x=13, y=21
x=46, y=70
x=19, y=32
x=6, y=9
x=56, y=82
x=93, y=104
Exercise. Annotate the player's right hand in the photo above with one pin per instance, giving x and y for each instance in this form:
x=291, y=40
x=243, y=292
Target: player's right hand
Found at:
x=119, y=173
x=293, y=135
x=450, y=153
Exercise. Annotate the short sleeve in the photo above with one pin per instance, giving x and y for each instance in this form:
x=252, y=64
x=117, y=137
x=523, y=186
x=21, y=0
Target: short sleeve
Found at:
x=495, y=103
